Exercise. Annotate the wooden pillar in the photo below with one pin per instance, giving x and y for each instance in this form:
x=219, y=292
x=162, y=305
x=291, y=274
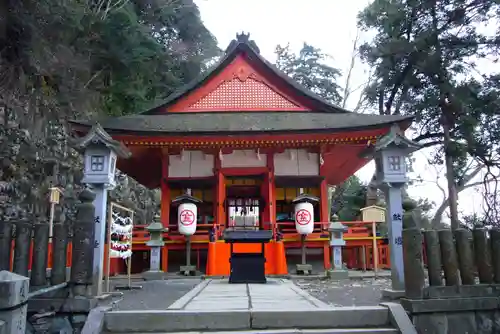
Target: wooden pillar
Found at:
x=270, y=196
x=164, y=204
x=220, y=193
x=165, y=189
x=323, y=209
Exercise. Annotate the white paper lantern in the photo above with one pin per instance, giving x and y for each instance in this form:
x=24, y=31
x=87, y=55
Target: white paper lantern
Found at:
x=186, y=218
x=304, y=217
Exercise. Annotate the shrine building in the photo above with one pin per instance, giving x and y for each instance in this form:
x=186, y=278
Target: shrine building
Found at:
x=246, y=140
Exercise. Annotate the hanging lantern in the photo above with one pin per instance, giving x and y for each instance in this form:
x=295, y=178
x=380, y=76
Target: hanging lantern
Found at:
x=304, y=213
x=187, y=213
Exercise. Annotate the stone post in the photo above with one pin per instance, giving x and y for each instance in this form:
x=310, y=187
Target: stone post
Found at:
x=414, y=269
x=483, y=256
x=22, y=247
x=495, y=253
x=433, y=253
x=5, y=245
x=59, y=252
x=14, y=290
x=394, y=220
x=100, y=204
x=40, y=255
x=83, y=245
x=448, y=257
x=465, y=258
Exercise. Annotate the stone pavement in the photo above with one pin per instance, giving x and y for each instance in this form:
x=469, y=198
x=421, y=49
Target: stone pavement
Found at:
x=277, y=294
x=215, y=305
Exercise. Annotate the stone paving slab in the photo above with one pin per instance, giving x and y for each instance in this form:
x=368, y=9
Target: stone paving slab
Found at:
x=277, y=294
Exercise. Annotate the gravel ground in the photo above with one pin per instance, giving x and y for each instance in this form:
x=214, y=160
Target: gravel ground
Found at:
x=366, y=292
x=154, y=295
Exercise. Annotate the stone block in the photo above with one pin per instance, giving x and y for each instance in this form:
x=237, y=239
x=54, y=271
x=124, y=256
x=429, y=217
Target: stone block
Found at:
x=61, y=325
x=175, y=320
x=450, y=305
x=66, y=305
x=344, y=317
x=399, y=318
x=431, y=323
x=304, y=269
x=95, y=320
x=337, y=274
x=390, y=294
x=14, y=291
x=485, y=323
x=153, y=275
x=188, y=270
x=462, y=323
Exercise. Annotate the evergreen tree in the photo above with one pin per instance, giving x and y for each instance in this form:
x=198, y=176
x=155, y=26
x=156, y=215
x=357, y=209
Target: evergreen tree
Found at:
x=422, y=55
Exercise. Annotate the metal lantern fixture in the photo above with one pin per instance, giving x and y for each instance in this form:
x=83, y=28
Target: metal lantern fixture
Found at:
x=187, y=214
x=304, y=223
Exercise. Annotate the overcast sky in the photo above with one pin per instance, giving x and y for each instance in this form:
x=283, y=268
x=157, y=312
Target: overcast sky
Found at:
x=329, y=25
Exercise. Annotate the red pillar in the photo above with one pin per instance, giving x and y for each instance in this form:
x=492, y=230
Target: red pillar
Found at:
x=165, y=190
x=270, y=193
x=164, y=204
x=323, y=211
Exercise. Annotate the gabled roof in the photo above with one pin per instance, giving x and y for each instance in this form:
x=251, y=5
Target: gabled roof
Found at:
x=243, y=47
x=245, y=122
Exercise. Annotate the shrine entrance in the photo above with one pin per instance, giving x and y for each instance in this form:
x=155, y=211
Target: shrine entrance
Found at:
x=244, y=203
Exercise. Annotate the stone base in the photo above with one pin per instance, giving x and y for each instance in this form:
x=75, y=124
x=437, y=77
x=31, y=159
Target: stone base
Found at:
x=304, y=269
x=389, y=294
x=337, y=274
x=153, y=275
x=188, y=270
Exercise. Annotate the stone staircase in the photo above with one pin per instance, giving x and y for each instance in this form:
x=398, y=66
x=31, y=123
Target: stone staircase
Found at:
x=386, y=318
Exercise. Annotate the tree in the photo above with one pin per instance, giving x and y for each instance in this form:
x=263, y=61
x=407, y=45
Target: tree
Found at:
x=420, y=51
x=63, y=59
x=308, y=68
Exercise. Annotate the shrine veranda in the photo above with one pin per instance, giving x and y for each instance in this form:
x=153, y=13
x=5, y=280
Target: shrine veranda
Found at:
x=245, y=140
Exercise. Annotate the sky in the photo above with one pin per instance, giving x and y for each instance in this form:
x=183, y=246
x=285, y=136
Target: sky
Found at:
x=331, y=26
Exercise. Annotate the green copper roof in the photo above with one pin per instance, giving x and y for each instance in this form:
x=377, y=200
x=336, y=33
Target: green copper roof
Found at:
x=245, y=122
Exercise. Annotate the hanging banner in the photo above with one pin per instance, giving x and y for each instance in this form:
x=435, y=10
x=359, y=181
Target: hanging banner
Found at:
x=120, y=236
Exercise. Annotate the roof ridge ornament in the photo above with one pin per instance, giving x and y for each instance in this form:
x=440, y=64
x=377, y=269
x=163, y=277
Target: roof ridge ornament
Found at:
x=243, y=38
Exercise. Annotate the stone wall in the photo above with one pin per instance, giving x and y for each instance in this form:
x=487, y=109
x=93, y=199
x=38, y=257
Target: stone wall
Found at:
x=462, y=294
x=34, y=302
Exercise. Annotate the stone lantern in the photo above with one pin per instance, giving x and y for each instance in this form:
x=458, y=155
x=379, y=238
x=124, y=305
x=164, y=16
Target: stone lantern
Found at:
x=156, y=242
x=390, y=154
x=337, y=241
x=100, y=154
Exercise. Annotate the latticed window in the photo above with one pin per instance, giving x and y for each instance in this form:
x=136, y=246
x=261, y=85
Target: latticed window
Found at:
x=97, y=163
x=394, y=163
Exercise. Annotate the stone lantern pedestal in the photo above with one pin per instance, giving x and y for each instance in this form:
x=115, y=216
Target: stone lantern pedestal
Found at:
x=337, y=271
x=156, y=242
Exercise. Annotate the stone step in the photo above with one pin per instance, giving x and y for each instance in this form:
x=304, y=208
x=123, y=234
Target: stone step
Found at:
x=161, y=321
x=301, y=331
